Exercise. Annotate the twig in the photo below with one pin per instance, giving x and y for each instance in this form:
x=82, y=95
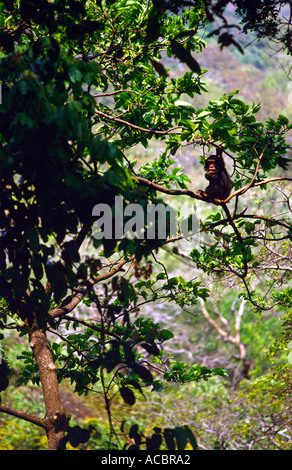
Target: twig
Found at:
x=142, y=129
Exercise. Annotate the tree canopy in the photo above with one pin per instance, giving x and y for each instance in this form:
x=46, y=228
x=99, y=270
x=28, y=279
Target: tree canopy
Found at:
x=84, y=85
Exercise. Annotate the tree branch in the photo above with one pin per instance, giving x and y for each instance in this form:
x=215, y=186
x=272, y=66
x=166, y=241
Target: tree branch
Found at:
x=260, y=183
x=162, y=189
x=23, y=415
x=122, y=90
x=195, y=195
x=142, y=129
x=225, y=335
x=84, y=288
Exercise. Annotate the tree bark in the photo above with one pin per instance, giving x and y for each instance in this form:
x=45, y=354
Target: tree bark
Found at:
x=57, y=418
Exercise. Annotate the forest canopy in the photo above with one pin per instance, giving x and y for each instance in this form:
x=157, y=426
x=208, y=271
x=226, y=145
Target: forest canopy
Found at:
x=94, y=232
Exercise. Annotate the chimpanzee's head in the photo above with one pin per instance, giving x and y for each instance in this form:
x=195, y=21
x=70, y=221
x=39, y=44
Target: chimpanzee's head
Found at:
x=212, y=167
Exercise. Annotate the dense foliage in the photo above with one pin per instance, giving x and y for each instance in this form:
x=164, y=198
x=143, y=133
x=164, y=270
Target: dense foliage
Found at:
x=84, y=84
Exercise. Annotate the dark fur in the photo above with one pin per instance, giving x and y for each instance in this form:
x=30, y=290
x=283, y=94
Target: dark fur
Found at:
x=220, y=184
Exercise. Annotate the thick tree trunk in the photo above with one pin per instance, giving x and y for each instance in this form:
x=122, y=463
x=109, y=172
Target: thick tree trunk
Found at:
x=57, y=418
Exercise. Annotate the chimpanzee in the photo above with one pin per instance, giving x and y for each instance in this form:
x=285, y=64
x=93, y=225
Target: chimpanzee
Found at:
x=219, y=181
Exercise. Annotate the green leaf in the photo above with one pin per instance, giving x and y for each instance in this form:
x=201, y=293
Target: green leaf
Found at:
x=181, y=437
x=75, y=74
x=133, y=430
x=224, y=123
x=151, y=348
x=77, y=435
x=160, y=276
x=166, y=334
x=127, y=395
x=183, y=103
x=191, y=437
x=33, y=239
x=169, y=436
x=283, y=120
x=144, y=373
x=37, y=266
x=203, y=113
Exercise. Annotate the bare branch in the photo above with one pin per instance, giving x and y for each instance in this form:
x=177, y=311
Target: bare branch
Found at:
x=260, y=183
x=85, y=287
x=23, y=415
x=223, y=332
